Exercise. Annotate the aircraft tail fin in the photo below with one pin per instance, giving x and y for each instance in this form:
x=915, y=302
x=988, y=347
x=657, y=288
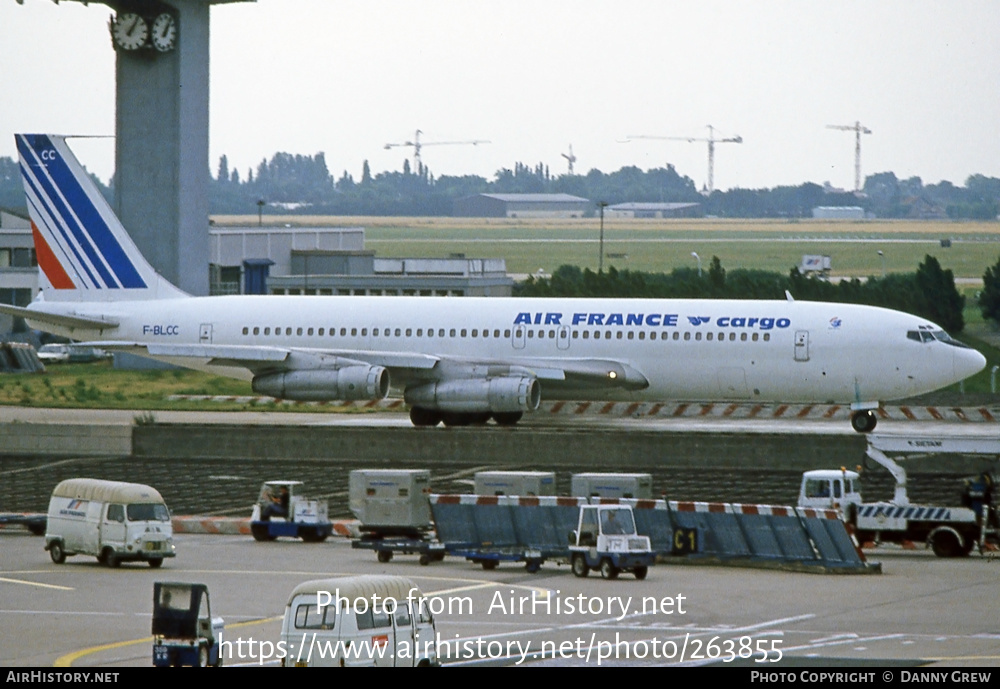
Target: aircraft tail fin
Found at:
x=83, y=250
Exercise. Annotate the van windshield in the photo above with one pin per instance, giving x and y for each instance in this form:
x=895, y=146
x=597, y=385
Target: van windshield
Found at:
x=148, y=512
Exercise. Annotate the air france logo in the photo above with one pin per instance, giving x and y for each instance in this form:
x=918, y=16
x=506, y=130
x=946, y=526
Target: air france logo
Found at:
x=656, y=320
x=835, y=322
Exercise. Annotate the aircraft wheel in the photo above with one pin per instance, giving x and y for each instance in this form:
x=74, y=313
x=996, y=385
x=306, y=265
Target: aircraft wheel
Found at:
x=507, y=418
x=864, y=421
x=454, y=418
x=57, y=553
x=608, y=570
x=580, y=568
x=424, y=417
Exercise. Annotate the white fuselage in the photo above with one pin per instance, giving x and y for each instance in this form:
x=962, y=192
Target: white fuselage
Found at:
x=778, y=351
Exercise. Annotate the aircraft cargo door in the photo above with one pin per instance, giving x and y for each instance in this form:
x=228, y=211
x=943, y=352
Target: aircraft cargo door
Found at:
x=802, y=345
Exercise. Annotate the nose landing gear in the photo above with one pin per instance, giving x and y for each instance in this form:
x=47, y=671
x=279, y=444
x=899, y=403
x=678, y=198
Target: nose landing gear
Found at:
x=864, y=420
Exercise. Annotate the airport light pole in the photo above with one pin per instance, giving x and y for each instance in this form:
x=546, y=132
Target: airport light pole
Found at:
x=882, y=256
x=993, y=379
x=698, y=259
x=600, y=256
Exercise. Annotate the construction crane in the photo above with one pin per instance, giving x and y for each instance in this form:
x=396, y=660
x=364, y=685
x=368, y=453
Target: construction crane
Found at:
x=711, y=149
x=570, y=158
x=858, y=130
x=417, y=144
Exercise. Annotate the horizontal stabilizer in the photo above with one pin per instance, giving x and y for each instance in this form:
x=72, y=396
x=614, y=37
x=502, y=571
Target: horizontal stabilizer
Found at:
x=60, y=319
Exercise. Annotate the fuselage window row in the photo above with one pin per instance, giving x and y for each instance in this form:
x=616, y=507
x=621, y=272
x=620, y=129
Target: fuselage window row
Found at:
x=530, y=334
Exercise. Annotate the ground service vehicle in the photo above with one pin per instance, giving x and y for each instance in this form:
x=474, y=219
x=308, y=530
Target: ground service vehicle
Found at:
x=112, y=520
x=302, y=517
x=184, y=631
x=606, y=539
x=394, y=513
x=951, y=531
x=358, y=621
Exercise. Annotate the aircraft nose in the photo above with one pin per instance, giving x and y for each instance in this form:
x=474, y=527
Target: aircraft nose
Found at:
x=967, y=362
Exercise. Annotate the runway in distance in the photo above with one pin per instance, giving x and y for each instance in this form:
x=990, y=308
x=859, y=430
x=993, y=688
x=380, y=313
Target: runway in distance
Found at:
x=464, y=360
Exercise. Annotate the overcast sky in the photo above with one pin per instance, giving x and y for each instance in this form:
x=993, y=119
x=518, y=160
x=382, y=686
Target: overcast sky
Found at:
x=345, y=77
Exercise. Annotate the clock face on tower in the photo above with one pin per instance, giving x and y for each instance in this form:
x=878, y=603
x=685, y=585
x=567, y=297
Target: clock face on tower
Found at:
x=164, y=32
x=129, y=31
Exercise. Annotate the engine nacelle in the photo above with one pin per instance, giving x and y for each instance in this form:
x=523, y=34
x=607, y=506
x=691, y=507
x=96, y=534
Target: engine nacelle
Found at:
x=323, y=385
x=508, y=394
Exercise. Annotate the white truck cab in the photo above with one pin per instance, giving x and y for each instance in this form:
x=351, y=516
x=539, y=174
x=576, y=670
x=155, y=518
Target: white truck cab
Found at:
x=359, y=621
x=830, y=489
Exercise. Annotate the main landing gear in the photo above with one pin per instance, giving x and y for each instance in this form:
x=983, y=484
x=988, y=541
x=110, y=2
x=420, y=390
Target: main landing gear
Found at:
x=419, y=416
x=864, y=420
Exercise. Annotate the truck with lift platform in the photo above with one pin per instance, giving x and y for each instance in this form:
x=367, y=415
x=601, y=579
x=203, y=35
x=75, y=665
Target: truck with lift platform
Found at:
x=950, y=531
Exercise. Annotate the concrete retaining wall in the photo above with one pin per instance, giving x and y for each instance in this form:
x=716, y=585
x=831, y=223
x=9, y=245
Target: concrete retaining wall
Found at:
x=66, y=439
x=632, y=448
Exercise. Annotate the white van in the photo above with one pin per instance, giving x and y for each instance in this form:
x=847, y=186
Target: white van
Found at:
x=111, y=520
x=359, y=621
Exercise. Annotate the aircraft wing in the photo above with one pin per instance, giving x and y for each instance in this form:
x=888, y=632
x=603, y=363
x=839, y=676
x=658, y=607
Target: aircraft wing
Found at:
x=577, y=374
x=260, y=359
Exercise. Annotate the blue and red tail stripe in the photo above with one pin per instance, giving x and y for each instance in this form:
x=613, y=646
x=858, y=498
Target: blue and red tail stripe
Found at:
x=72, y=217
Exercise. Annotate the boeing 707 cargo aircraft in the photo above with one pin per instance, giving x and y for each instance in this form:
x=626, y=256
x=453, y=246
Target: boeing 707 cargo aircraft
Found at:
x=465, y=360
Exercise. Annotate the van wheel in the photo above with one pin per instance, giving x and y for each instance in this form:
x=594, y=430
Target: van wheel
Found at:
x=109, y=559
x=490, y=564
x=156, y=562
x=608, y=570
x=384, y=555
x=57, y=553
x=640, y=572
x=203, y=656
x=424, y=560
x=580, y=568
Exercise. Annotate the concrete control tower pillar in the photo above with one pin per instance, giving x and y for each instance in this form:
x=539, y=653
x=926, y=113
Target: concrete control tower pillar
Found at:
x=161, y=123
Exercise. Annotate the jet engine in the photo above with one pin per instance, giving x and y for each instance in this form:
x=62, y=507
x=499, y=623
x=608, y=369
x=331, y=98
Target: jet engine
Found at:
x=321, y=385
x=506, y=394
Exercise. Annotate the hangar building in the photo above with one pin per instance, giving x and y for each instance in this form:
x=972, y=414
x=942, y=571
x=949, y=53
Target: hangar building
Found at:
x=522, y=206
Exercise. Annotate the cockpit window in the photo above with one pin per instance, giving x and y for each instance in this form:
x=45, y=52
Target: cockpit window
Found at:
x=942, y=336
x=932, y=335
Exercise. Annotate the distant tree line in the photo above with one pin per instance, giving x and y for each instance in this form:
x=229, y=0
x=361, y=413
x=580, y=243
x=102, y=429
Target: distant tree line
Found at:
x=929, y=292
x=290, y=183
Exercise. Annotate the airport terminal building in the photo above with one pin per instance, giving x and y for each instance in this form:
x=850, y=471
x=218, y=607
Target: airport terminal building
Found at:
x=282, y=260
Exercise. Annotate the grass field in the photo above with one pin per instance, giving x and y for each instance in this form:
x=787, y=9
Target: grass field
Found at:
x=528, y=245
